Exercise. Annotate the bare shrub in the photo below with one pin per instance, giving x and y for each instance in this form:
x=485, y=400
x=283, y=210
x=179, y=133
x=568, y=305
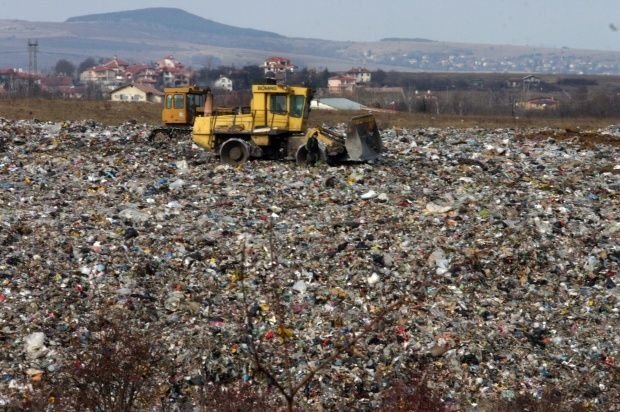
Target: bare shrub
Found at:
x=234, y=398
x=551, y=399
x=273, y=355
x=412, y=394
x=112, y=366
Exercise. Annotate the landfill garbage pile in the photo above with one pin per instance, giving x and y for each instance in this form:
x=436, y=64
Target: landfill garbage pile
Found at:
x=502, y=245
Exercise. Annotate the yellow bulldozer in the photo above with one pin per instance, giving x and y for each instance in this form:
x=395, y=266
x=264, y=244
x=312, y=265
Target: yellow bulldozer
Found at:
x=181, y=106
x=274, y=126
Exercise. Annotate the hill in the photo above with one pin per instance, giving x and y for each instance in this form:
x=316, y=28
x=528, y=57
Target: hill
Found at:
x=148, y=34
x=172, y=24
x=175, y=20
x=145, y=35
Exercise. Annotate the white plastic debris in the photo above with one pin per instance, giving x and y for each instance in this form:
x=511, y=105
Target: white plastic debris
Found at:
x=35, y=345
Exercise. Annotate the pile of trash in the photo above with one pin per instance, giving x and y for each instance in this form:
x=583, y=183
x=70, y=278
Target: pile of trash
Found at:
x=486, y=257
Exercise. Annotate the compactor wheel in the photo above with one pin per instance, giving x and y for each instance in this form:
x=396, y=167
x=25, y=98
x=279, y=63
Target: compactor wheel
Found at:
x=310, y=154
x=234, y=152
x=302, y=156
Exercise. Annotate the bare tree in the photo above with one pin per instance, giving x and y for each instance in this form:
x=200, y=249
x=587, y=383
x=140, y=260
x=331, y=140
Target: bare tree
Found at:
x=64, y=68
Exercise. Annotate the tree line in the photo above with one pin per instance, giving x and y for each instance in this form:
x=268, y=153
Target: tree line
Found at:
x=436, y=93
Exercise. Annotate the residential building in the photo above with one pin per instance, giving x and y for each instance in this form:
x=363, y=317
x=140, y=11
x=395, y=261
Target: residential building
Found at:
x=360, y=74
x=341, y=84
x=527, y=82
x=141, y=73
x=61, y=86
x=169, y=62
x=277, y=64
x=531, y=80
x=115, y=73
x=173, y=72
x=88, y=76
x=540, y=103
x=110, y=74
x=223, y=83
x=12, y=80
x=176, y=77
x=136, y=93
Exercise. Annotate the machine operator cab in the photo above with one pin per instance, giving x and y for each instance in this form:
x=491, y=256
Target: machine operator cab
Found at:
x=280, y=107
x=183, y=104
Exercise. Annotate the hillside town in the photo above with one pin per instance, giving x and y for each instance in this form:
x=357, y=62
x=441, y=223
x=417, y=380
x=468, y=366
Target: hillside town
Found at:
x=98, y=80
x=358, y=88
x=563, y=61
x=118, y=80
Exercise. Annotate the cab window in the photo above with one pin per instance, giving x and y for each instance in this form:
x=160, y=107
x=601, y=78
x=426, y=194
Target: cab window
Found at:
x=195, y=100
x=179, y=101
x=278, y=103
x=297, y=105
x=169, y=99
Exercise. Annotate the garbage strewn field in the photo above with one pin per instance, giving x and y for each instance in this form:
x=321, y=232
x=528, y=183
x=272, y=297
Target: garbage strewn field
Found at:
x=502, y=247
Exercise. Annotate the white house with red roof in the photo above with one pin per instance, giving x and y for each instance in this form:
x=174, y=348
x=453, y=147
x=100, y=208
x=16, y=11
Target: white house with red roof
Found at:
x=116, y=72
x=61, y=85
x=540, y=103
x=12, y=79
x=278, y=64
x=136, y=93
x=110, y=74
x=362, y=75
x=341, y=84
x=169, y=62
x=223, y=83
x=141, y=73
x=173, y=72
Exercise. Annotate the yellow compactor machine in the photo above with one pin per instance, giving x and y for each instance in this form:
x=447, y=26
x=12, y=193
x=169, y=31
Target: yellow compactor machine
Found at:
x=181, y=106
x=273, y=126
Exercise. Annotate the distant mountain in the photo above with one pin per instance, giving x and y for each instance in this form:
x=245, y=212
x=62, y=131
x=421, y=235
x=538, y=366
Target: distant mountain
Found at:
x=174, y=20
x=149, y=34
x=146, y=35
x=418, y=39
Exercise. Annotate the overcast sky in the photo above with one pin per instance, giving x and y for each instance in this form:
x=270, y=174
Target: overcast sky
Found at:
x=591, y=24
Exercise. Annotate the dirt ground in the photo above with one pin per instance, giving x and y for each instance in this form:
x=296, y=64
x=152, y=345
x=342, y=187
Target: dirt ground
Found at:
x=113, y=113
x=106, y=112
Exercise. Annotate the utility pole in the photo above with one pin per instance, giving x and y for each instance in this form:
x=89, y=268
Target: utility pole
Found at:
x=33, y=49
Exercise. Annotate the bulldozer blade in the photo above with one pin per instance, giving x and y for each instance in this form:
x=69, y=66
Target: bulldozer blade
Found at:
x=363, y=142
